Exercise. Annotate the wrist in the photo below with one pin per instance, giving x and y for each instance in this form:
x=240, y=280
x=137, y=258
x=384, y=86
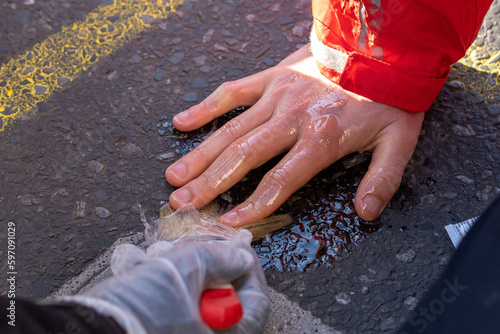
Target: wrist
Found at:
x=121, y=315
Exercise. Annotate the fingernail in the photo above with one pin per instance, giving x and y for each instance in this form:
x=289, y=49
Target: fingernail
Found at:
x=178, y=170
x=182, y=196
x=372, y=206
x=182, y=117
x=229, y=218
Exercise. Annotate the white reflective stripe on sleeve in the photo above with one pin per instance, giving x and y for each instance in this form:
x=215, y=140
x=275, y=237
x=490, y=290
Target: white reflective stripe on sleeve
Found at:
x=328, y=57
x=376, y=51
x=363, y=34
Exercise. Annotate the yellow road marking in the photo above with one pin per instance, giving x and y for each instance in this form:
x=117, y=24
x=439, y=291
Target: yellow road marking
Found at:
x=50, y=65
x=490, y=64
x=62, y=57
x=483, y=74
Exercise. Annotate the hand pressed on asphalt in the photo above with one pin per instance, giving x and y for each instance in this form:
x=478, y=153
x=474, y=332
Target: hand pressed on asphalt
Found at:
x=296, y=110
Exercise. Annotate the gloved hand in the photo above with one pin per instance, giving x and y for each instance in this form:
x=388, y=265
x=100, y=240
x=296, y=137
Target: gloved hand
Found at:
x=159, y=292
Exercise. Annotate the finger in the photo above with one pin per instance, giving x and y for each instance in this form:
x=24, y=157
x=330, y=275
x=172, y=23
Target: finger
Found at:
x=220, y=262
x=126, y=257
x=252, y=290
x=242, y=261
x=233, y=264
x=229, y=95
x=236, y=161
x=254, y=296
x=383, y=177
x=160, y=249
x=242, y=239
x=302, y=163
x=198, y=160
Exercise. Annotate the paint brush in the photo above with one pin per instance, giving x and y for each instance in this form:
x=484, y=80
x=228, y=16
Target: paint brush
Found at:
x=220, y=306
x=187, y=222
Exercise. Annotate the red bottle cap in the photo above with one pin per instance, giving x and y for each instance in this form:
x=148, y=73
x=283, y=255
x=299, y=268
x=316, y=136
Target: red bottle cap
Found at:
x=220, y=308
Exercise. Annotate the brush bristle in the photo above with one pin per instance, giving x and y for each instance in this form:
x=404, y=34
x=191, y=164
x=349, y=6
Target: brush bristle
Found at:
x=212, y=212
x=265, y=226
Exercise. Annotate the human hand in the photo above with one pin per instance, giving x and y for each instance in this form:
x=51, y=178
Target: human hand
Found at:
x=294, y=109
x=159, y=292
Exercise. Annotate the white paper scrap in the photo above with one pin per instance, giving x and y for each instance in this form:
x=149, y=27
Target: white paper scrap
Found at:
x=458, y=231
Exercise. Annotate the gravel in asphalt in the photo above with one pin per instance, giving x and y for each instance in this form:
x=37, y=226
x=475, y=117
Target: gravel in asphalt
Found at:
x=74, y=170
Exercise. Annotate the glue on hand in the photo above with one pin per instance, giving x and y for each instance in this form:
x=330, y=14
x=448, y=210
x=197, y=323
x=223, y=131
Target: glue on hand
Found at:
x=220, y=307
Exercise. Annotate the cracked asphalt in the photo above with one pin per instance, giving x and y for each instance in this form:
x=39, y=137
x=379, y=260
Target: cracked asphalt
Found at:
x=74, y=168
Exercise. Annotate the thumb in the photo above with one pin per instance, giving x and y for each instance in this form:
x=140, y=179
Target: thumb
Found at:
x=382, y=179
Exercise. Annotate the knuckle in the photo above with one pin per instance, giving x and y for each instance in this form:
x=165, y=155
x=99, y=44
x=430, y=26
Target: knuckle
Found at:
x=323, y=147
x=253, y=147
x=200, y=153
x=204, y=105
x=393, y=176
x=223, y=94
x=233, y=128
x=389, y=176
x=206, y=189
x=241, y=149
x=204, y=182
x=277, y=179
x=228, y=88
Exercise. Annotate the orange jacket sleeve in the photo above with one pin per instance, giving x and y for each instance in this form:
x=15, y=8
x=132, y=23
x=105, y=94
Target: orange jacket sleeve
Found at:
x=397, y=52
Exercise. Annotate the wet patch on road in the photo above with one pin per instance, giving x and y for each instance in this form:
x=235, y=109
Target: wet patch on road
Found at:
x=325, y=225
x=75, y=170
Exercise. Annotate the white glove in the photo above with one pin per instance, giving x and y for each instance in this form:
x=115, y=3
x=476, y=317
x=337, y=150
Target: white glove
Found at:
x=159, y=292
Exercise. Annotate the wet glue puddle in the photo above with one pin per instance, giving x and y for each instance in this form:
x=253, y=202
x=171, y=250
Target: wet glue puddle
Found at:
x=319, y=236
x=325, y=224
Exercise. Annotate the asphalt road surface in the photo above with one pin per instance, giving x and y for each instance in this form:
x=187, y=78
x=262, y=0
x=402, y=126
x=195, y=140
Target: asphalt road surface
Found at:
x=87, y=94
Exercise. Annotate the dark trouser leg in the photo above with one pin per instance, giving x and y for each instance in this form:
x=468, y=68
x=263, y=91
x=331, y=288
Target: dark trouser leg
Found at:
x=466, y=299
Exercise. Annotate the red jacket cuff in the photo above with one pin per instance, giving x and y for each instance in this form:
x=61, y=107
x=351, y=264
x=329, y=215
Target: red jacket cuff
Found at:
x=384, y=83
x=376, y=79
